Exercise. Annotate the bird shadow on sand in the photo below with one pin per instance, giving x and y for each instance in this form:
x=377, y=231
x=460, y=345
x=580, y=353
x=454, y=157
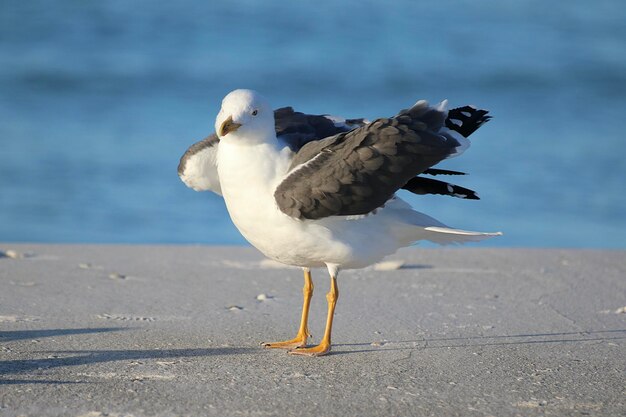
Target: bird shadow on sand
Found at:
x=10, y=336
x=35, y=381
x=90, y=357
x=479, y=341
x=58, y=359
x=416, y=266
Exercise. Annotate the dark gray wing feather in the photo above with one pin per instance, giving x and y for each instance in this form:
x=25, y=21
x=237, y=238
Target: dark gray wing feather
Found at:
x=356, y=172
x=297, y=129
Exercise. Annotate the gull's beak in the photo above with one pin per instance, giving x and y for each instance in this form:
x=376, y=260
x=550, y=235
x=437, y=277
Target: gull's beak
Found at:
x=228, y=126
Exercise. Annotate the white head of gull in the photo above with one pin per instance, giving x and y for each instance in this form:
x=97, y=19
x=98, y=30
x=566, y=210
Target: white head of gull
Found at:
x=247, y=117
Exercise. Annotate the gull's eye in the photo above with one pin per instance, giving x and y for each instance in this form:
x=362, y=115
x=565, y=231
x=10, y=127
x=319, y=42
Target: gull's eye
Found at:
x=255, y=112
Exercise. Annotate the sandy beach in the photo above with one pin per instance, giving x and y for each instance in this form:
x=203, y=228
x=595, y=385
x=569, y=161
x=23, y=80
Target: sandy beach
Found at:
x=89, y=330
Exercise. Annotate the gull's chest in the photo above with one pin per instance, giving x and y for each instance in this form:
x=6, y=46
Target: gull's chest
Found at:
x=248, y=177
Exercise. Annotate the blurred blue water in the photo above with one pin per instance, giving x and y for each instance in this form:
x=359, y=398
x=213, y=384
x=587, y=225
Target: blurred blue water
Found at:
x=98, y=100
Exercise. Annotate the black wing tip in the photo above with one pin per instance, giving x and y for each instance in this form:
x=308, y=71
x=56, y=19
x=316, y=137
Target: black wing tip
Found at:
x=468, y=119
x=436, y=171
x=421, y=185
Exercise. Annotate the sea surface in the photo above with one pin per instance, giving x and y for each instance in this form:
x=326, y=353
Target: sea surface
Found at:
x=99, y=99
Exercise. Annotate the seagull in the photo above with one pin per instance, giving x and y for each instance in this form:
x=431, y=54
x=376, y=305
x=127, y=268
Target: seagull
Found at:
x=320, y=191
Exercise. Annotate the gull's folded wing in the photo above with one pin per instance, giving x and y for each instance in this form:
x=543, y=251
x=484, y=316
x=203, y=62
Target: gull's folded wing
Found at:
x=356, y=172
x=198, y=166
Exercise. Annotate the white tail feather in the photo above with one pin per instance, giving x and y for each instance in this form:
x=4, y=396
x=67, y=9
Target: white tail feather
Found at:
x=413, y=226
x=445, y=235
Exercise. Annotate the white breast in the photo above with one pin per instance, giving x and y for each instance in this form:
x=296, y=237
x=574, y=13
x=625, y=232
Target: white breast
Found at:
x=249, y=175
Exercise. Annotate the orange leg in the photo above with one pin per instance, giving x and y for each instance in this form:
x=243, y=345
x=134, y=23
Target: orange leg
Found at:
x=303, y=333
x=324, y=347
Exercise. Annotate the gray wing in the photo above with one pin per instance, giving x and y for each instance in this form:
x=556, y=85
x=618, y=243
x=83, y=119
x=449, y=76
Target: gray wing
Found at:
x=297, y=129
x=198, y=167
x=356, y=172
